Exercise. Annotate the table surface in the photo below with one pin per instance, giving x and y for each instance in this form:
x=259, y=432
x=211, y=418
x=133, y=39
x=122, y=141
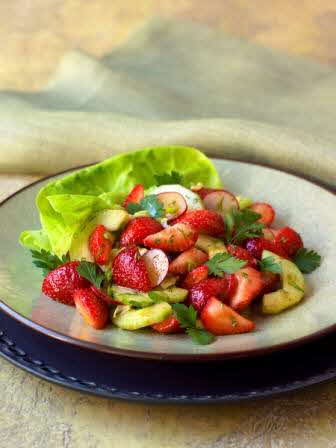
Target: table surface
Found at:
x=34, y=413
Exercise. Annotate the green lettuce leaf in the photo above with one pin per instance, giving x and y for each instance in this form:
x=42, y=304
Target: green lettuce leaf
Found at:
x=65, y=204
x=35, y=240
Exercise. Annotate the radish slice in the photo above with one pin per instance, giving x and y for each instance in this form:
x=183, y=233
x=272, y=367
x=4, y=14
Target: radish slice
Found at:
x=194, y=202
x=157, y=265
x=173, y=203
x=266, y=211
x=220, y=201
x=268, y=234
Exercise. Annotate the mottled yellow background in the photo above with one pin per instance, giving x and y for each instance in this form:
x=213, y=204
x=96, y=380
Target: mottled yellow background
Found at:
x=34, y=34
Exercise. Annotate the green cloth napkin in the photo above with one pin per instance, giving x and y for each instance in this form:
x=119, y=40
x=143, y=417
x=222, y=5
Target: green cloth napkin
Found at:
x=176, y=83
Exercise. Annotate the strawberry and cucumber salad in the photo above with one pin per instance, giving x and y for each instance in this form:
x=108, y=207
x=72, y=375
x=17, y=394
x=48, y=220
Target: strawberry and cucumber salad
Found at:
x=152, y=239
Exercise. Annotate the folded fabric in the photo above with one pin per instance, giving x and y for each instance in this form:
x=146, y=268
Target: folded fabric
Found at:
x=176, y=83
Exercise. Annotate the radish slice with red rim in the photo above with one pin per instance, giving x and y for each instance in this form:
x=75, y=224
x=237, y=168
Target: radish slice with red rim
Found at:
x=220, y=201
x=174, y=204
x=157, y=265
x=266, y=211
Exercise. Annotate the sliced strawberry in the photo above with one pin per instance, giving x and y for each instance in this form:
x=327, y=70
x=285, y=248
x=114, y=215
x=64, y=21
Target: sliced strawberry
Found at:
x=177, y=238
x=231, y=286
x=203, y=221
x=266, y=211
x=268, y=234
x=137, y=230
x=157, y=265
x=100, y=244
x=168, y=326
x=220, y=319
x=61, y=283
x=195, y=276
x=202, y=192
x=289, y=240
x=135, y=195
x=187, y=261
x=93, y=309
x=242, y=254
x=255, y=247
x=104, y=296
x=270, y=282
x=220, y=201
x=129, y=270
x=173, y=203
x=200, y=293
x=249, y=286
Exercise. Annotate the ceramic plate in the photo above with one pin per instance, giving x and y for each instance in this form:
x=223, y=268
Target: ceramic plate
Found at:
x=307, y=207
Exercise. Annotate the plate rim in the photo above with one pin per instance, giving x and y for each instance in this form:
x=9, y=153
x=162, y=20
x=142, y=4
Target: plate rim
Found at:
x=180, y=357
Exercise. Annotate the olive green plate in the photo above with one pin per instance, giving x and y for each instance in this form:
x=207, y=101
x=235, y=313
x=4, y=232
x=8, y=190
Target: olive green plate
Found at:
x=299, y=203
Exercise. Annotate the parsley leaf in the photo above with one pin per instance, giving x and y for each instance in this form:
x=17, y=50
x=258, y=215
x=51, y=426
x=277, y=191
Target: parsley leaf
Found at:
x=92, y=272
x=47, y=261
x=150, y=204
x=242, y=224
x=224, y=263
x=269, y=264
x=187, y=319
x=307, y=260
x=168, y=178
x=201, y=337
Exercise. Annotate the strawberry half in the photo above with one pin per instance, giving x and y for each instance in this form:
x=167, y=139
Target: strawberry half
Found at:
x=137, y=230
x=200, y=293
x=187, y=261
x=289, y=240
x=61, y=283
x=168, y=326
x=135, y=195
x=100, y=244
x=250, y=284
x=255, y=247
x=93, y=309
x=129, y=270
x=203, y=221
x=220, y=319
x=195, y=276
x=177, y=238
x=270, y=282
x=242, y=254
x=266, y=211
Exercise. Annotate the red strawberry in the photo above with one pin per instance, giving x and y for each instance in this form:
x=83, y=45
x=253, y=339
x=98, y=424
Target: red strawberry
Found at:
x=269, y=281
x=266, y=211
x=168, y=326
x=129, y=270
x=137, y=230
x=231, y=286
x=202, y=192
x=195, y=276
x=100, y=244
x=177, y=238
x=242, y=254
x=60, y=283
x=135, y=195
x=268, y=233
x=220, y=319
x=104, y=296
x=255, y=247
x=187, y=261
x=203, y=221
x=249, y=286
x=93, y=310
x=289, y=240
x=200, y=293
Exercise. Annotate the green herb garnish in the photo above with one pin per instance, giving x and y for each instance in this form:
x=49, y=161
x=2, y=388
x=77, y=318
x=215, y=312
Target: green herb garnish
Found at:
x=187, y=317
x=269, y=264
x=92, y=273
x=223, y=263
x=168, y=178
x=307, y=260
x=150, y=204
x=242, y=224
x=47, y=261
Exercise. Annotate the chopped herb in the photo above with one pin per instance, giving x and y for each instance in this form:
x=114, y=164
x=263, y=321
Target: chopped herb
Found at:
x=168, y=178
x=234, y=322
x=187, y=319
x=269, y=264
x=150, y=204
x=295, y=285
x=47, y=261
x=92, y=273
x=222, y=263
x=307, y=260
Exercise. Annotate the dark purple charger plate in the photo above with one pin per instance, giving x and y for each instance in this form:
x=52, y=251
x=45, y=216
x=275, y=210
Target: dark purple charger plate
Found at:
x=162, y=381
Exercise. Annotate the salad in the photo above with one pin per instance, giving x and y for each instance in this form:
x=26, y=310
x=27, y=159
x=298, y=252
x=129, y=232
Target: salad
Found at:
x=152, y=239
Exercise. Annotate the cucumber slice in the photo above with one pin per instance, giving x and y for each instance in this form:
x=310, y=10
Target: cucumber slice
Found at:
x=172, y=295
x=293, y=286
x=244, y=202
x=136, y=319
x=130, y=297
x=169, y=281
x=210, y=245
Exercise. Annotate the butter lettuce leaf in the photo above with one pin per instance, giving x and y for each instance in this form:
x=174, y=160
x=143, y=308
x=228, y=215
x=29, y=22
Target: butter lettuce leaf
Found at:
x=65, y=204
